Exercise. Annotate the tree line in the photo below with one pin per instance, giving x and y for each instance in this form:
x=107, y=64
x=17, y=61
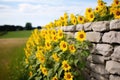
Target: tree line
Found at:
x=28, y=26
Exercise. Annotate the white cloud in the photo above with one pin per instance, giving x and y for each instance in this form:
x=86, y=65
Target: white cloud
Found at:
x=37, y=13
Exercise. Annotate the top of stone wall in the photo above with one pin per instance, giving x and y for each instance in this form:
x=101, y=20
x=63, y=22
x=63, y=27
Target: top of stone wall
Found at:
x=100, y=26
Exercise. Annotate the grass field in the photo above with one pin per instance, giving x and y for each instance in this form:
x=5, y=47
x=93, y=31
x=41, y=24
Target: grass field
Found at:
x=16, y=34
x=11, y=54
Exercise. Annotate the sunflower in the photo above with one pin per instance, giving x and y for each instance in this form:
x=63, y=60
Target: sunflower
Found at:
x=74, y=21
x=54, y=38
x=72, y=16
x=91, y=17
x=48, y=45
x=62, y=19
x=65, y=23
x=88, y=11
x=72, y=48
x=63, y=45
x=97, y=9
x=55, y=57
x=53, y=32
x=60, y=34
x=30, y=73
x=40, y=56
x=80, y=19
x=42, y=59
x=81, y=36
x=65, y=16
x=44, y=70
x=117, y=13
x=68, y=76
x=115, y=3
x=65, y=65
x=101, y=3
x=55, y=78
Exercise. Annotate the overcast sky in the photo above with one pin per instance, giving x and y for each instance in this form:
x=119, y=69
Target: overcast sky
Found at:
x=40, y=12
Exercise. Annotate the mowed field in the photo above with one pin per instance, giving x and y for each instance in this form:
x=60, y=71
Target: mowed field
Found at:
x=11, y=54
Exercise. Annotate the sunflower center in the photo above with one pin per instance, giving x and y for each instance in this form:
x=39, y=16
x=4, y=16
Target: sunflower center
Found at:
x=101, y=4
x=48, y=44
x=89, y=11
x=64, y=46
x=55, y=78
x=81, y=36
x=74, y=21
x=72, y=48
x=118, y=13
x=60, y=34
x=117, y=2
x=91, y=16
x=97, y=9
x=55, y=38
x=66, y=66
x=68, y=76
x=80, y=19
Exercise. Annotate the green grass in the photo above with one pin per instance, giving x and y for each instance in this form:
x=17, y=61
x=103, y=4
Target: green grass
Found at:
x=17, y=34
x=11, y=57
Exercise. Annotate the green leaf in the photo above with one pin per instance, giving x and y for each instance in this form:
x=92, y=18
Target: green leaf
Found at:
x=56, y=66
x=56, y=49
x=38, y=78
x=32, y=77
x=50, y=73
x=60, y=72
x=76, y=61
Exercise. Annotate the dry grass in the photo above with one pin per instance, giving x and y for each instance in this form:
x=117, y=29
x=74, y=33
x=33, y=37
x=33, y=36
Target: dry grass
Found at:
x=8, y=50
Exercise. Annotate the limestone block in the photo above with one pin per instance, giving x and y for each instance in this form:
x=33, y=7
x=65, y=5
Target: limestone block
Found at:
x=115, y=24
x=70, y=34
x=93, y=36
x=104, y=49
x=99, y=77
x=113, y=67
x=116, y=54
x=96, y=59
x=101, y=26
x=70, y=28
x=111, y=37
x=87, y=26
x=114, y=77
x=98, y=68
x=79, y=27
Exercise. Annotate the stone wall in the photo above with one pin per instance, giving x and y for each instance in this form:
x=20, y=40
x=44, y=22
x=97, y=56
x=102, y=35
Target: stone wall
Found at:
x=104, y=61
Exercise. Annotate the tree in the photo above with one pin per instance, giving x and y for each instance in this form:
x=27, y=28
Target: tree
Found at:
x=28, y=26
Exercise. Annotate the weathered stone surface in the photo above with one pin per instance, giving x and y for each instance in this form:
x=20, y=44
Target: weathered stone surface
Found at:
x=100, y=26
x=96, y=59
x=116, y=54
x=99, y=77
x=69, y=28
x=115, y=24
x=93, y=36
x=92, y=78
x=114, y=77
x=104, y=49
x=70, y=34
x=113, y=67
x=98, y=68
x=79, y=27
x=111, y=37
x=87, y=26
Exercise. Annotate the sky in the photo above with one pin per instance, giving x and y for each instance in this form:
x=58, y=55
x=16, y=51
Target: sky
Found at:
x=41, y=12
